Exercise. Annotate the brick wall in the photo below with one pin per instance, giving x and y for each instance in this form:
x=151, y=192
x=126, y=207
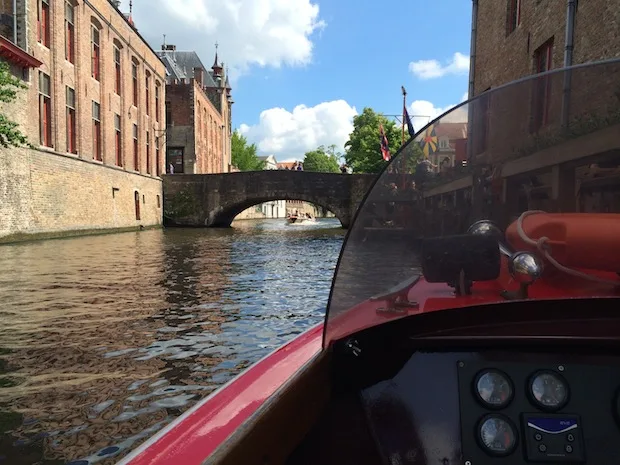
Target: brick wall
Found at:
x=114, y=31
x=502, y=57
x=47, y=193
x=197, y=127
x=208, y=134
x=49, y=188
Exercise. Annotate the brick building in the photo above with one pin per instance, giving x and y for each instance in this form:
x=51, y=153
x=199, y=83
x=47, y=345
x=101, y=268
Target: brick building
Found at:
x=551, y=142
x=198, y=114
x=516, y=38
x=94, y=111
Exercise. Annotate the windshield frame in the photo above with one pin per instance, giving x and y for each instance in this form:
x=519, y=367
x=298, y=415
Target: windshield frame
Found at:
x=415, y=139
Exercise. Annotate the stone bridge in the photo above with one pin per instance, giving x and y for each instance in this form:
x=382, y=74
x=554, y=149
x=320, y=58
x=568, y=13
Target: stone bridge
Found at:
x=213, y=200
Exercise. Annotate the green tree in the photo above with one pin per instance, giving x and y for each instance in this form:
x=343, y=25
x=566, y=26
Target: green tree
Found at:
x=322, y=160
x=10, y=135
x=243, y=155
x=363, y=149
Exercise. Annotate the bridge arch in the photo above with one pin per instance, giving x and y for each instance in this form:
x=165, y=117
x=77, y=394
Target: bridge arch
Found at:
x=229, y=211
x=214, y=200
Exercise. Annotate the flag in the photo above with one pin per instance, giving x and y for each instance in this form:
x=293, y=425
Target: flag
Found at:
x=409, y=125
x=429, y=142
x=385, y=148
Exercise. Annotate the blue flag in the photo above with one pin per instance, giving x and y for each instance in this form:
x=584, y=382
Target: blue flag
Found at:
x=409, y=125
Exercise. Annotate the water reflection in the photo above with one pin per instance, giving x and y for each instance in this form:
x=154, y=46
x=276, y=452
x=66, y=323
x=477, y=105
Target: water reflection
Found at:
x=105, y=339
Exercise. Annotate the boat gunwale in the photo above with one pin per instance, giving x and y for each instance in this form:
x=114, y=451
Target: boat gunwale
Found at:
x=255, y=418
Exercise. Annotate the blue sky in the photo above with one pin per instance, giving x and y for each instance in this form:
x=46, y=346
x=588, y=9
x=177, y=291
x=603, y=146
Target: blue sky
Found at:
x=302, y=68
x=363, y=56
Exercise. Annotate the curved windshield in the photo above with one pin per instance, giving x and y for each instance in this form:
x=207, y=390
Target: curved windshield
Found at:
x=513, y=195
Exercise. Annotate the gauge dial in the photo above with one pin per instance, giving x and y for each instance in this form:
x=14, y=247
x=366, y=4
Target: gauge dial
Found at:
x=493, y=389
x=497, y=435
x=549, y=390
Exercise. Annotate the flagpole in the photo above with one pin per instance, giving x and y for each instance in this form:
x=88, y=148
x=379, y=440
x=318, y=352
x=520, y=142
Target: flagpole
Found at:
x=404, y=106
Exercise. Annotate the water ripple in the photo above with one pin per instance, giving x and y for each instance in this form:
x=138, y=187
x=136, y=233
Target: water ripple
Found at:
x=106, y=339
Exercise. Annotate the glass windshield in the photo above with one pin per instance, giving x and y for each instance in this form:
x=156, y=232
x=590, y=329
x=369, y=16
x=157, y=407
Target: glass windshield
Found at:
x=513, y=195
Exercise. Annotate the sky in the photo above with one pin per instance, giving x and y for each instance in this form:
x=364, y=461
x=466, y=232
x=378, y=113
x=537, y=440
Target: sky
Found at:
x=302, y=69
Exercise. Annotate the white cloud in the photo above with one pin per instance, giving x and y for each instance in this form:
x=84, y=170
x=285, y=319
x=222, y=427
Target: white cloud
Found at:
x=423, y=112
x=250, y=32
x=431, y=69
x=288, y=135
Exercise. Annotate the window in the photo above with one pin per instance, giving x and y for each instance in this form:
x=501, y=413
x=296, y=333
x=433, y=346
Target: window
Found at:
x=45, y=110
x=481, y=112
x=444, y=144
x=69, y=31
x=95, y=52
x=157, y=90
x=136, y=201
x=97, y=153
x=157, y=160
x=543, y=60
x=147, y=84
x=134, y=78
x=136, y=155
x=174, y=157
x=118, y=140
x=71, y=137
x=43, y=22
x=168, y=114
x=514, y=15
x=117, y=70
x=148, y=152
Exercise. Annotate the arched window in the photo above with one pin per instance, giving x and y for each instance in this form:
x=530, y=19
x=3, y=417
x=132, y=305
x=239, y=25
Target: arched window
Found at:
x=136, y=198
x=95, y=48
x=116, y=48
x=70, y=31
x=134, y=80
x=157, y=95
x=147, y=85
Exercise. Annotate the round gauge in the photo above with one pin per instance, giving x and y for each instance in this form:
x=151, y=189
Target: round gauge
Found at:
x=493, y=388
x=549, y=390
x=497, y=435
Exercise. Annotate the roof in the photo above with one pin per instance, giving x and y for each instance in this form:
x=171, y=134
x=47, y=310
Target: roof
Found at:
x=180, y=65
x=133, y=27
x=287, y=164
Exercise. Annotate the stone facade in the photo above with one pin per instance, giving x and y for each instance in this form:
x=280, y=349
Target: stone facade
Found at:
x=198, y=112
x=216, y=199
x=94, y=112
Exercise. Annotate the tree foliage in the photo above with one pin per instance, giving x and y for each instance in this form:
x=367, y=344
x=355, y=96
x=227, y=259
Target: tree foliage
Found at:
x=363, y=149
x=244, y=155
x=322, y=160
x=10, y=135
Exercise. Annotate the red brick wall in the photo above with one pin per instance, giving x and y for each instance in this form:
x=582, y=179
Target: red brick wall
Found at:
x=180, y=104
x=114, y=29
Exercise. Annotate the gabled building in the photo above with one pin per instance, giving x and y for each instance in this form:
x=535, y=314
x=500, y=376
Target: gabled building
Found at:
x=198, y=114
x=451, y=152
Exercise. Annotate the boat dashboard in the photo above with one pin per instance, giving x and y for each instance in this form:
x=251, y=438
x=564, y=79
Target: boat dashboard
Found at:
x=521, y=387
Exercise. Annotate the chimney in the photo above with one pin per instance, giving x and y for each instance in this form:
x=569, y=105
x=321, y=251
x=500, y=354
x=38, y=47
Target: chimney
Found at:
x=198, y=76
x=116, y=3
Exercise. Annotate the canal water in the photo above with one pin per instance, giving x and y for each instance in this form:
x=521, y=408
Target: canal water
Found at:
x=106, y=339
